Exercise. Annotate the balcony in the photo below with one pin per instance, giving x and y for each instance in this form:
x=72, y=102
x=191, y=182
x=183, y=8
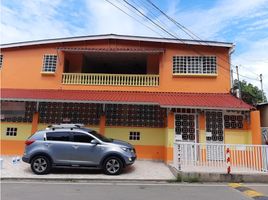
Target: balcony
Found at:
x=110, y=79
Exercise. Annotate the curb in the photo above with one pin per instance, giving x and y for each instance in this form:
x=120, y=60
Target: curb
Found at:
x=218, y=177
x=73, y=180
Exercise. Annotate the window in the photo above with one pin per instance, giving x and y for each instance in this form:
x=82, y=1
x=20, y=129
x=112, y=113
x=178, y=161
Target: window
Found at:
x=233, y=121
x=81, y=113
x=1, y=60
x=135, y=115
x=49, y=63
x=11, y=131
x=194, y=65
x=58, y=136
x=81, y=137
x=14, y=111
x=134, y=135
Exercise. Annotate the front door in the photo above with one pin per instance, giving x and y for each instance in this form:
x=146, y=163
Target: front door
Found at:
x=185, y=127
x=214, y=135
x=185, y=131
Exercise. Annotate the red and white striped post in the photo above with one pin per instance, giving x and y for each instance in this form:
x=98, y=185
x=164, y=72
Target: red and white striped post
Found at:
x=228, y=160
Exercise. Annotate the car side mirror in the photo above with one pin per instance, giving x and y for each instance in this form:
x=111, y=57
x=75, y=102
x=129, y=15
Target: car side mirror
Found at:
x=94, y=142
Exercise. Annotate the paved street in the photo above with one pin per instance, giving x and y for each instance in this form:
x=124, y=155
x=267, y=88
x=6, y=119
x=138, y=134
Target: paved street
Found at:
x=118, y=191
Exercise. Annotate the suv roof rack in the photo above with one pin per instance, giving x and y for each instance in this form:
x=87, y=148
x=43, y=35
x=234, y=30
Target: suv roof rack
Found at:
x=58, y=126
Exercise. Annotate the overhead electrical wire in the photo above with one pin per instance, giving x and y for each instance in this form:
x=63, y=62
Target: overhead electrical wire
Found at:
x=189, y=32
x=166, y=31
x=136, y=11
x=133, y=17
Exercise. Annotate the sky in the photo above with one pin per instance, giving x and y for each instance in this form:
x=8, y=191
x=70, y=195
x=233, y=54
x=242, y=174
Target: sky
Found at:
x=242, y=22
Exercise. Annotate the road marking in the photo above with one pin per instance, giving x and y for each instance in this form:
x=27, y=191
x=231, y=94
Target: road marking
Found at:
x=235, y=185
x=253, y=193
x=248, y=191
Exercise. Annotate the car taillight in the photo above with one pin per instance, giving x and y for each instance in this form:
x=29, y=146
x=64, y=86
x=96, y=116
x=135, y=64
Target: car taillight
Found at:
x=28, y=142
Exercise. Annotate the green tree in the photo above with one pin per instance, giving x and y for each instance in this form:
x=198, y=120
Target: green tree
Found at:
x=250, y=93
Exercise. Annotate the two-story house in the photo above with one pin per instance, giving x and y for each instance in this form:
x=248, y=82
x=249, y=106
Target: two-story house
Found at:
x=148, y=91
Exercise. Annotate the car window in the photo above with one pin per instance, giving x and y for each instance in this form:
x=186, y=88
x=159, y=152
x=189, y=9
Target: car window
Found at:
x=99, y=136
x=81, y=137
x=58, y=136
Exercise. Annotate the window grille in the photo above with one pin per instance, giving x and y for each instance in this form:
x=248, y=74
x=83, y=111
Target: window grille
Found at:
x=233, y=121
x=14, y=111
x=134, y=135
x=11, y=131
x=1, y=60
x=49, y=63
x=58, y=112
x=135, y=115
x=194, y=65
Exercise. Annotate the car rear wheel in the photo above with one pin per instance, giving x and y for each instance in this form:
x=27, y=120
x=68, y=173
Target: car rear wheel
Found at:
x=40, y=165
x=113, y=166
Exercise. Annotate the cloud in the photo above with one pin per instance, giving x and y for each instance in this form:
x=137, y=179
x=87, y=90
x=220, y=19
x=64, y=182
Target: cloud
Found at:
x=240, y=21
x=253, y=62
x=208, y=23
x=32, y=20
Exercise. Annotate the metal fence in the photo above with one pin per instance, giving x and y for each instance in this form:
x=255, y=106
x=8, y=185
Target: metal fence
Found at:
x=208, y=157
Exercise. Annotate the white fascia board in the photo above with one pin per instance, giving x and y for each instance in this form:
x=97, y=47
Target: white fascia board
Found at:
x=119, y=37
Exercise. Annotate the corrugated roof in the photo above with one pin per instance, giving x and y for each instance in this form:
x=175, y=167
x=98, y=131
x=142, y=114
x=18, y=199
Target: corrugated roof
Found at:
x=164, y=99
x=119, y=37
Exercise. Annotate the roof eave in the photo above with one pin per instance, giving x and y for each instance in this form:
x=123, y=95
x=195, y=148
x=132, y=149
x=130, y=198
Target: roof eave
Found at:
x=120, y=37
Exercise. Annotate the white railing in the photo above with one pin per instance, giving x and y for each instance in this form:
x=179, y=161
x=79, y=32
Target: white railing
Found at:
x=212, y=157
x=110, y=79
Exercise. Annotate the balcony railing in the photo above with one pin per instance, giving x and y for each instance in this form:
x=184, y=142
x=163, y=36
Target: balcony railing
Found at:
x=110, y=79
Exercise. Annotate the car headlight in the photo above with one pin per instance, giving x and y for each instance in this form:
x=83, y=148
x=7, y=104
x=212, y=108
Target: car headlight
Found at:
x=126, y=149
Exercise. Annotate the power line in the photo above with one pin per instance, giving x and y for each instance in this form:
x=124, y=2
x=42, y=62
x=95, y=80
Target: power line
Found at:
x=133, y=17
x=179, y=25
x=166, y=31
x=254, y=79
x=150, y=19
x=184, y=29
x=173, y=35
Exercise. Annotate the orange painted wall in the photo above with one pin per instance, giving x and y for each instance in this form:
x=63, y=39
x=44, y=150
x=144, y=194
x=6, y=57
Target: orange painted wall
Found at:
x=255, y=126
x=27, y=62
x=150, y=152
x=12, y=147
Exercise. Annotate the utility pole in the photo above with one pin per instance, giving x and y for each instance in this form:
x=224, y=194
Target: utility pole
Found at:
x=262, y=94
x=239, y=85
x=232, y=79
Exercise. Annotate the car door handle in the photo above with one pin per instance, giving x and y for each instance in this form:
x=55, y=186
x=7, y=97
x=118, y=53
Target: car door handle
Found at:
x=75, y=146
x=47, y=144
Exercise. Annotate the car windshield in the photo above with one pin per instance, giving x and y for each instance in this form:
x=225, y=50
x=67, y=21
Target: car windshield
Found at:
x=99, y=136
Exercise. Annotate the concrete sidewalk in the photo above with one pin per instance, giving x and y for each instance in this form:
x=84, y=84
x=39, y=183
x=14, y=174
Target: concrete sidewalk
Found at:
x=141, y=170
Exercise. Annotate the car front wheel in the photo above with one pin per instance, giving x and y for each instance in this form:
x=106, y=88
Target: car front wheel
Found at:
x=40, y=165
x=113, y=166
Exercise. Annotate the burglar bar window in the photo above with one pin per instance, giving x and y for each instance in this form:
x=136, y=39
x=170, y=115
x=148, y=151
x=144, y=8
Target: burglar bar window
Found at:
x=1, y=60
x=11, y=131
x=194, y=65
x=49, y=63
x=134, y=135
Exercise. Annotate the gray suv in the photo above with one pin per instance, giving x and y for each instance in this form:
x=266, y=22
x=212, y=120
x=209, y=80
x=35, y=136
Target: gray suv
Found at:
x=73, y=145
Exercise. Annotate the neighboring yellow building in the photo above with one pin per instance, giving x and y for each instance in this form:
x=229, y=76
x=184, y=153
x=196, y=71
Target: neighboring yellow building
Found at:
x=148, y=91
